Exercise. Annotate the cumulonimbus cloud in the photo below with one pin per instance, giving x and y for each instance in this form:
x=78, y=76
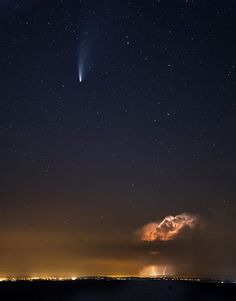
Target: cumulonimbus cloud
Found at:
x=169, y=228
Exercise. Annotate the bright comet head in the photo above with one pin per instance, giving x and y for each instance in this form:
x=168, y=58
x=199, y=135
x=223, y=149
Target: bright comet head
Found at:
x=80, y=77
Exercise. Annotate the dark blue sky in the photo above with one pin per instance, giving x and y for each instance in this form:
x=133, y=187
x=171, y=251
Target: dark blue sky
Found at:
x=149, y=132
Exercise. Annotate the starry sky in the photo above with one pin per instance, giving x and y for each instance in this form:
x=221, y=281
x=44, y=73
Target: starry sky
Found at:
x=117, y=132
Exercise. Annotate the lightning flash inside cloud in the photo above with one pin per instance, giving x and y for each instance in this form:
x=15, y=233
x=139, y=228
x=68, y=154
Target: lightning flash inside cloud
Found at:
x=169, y=228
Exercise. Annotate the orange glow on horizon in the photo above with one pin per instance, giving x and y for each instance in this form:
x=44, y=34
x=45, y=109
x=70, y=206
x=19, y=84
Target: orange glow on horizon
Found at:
x=156, y=271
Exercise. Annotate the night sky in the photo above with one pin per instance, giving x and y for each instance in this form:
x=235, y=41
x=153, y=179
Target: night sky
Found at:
x=117, y=132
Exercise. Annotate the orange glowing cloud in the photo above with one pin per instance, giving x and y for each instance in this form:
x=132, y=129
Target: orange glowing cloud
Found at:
x=169, y=228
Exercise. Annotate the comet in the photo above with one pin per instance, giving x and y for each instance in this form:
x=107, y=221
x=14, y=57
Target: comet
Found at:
x=80, y=76
x=80, y=72
x=82, y=63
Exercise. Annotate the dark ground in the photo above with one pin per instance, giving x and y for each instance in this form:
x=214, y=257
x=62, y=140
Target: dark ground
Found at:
x=117, y=290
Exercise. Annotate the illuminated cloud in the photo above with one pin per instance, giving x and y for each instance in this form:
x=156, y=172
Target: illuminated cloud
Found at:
x=169, y=228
